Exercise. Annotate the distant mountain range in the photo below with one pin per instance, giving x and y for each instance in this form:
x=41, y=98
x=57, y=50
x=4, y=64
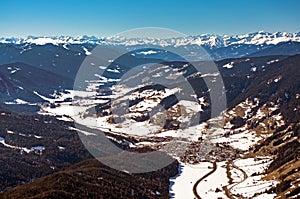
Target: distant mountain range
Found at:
x=190, y=47
x=210, y=40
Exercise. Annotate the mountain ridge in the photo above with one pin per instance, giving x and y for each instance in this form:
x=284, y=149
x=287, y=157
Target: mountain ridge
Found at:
x=211, y=40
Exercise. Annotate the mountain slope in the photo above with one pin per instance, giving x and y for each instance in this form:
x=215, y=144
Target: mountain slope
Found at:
x=91, y=179
x=286, y=48
x=33, y=146
x=48, y=57
x=278, y=88
x=21, y=84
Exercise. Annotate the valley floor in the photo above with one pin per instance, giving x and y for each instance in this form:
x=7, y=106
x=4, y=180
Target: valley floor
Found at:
x=241, y=176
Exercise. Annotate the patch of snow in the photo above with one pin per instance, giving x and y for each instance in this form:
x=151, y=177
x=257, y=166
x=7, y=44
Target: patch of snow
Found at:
x=147, y=52
x=277, y=79
x=190, y=106
x=10, y=132
x=87, y=52
x=2, y=141
x=37, y=148
x=81, y=131
x=44, y=98
x=210, y=75
x=37, y=136
x=253, y=69
x=64, y=118
x=65, y=46
x=102, y=67
x=61, y=148
x=228, y=65
x=272, y=61
x=113, y=70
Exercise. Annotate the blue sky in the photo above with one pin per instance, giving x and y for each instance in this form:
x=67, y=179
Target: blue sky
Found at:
x=105, y=18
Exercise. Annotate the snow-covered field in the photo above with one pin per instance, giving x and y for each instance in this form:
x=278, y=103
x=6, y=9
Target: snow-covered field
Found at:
x=253, y=183
x=83, y=100
x=181, y=186
x=211, y=187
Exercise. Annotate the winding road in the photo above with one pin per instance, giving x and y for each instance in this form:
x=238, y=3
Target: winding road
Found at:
x=202, y=178
x=227, y=190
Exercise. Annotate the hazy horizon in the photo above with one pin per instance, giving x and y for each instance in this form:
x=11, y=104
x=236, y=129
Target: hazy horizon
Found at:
x=104, y=18
x=99, y=36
